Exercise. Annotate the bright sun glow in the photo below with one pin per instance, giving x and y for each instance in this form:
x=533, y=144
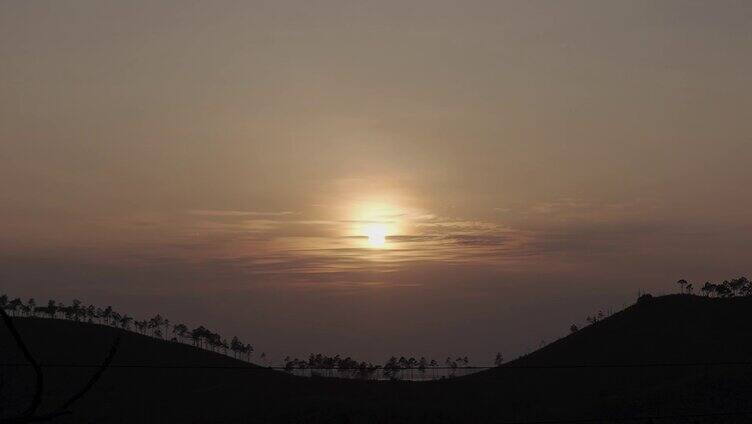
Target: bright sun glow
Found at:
x=376, y=234
x=373, y=222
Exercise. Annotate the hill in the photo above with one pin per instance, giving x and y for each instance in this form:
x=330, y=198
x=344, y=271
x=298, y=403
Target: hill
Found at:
x=667, y=329
x=671, y=356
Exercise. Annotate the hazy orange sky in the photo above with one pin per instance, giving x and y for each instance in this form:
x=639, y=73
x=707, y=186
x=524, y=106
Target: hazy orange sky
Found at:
x=517, y=165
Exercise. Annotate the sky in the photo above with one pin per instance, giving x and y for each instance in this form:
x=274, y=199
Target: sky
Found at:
x=373, y=178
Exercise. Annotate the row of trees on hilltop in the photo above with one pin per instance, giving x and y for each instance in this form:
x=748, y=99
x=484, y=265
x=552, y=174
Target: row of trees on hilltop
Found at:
x=741, y=286
x=331, y=366
x=160, y=327
x=393, y=368
x=157, y=326
x=736, y=287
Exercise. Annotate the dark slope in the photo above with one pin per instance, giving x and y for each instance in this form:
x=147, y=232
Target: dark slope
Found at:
x=676, y=354
x=669, y=330
x=70, y=342
x=179, y=383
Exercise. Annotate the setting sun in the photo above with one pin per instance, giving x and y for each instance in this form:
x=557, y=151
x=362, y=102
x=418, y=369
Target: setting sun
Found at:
x=376, y=234
x=375, y=220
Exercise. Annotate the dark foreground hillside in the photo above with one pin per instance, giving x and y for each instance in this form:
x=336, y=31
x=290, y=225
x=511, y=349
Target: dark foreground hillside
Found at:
x=682, y=358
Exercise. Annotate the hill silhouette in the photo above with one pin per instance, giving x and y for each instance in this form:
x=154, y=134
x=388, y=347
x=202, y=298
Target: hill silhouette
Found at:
x=680, y=356
x=677, y=328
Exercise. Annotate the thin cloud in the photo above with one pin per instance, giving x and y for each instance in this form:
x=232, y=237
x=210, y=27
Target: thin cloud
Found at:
x=233, y=213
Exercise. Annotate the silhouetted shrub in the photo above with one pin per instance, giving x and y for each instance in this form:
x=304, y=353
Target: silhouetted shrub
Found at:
x=644, y=298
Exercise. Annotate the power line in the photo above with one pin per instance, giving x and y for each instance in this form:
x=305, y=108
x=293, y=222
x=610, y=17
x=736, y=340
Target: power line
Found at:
x=628, y=419
x=503, y=367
